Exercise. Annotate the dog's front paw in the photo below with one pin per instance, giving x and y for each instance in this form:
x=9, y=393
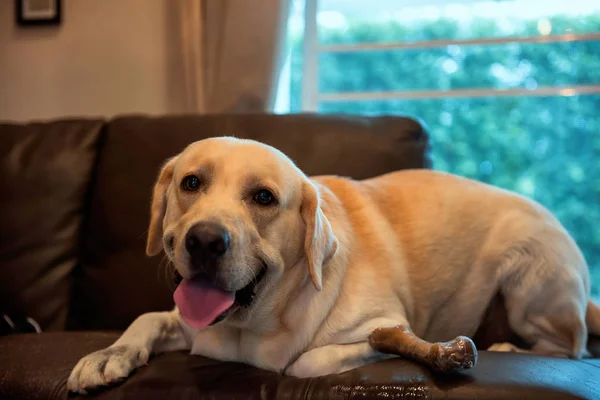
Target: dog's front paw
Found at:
x=105, y=367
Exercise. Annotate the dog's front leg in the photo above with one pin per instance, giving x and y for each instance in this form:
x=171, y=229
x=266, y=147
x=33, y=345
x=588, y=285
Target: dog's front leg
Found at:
x=457, y=354
x=334, y=359
x=151, y=333
x=338, y=358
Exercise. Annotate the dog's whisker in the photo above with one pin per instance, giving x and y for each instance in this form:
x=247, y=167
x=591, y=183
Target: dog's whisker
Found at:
x=160, y=267
x=170, y=273
x=246, y=276
x=165, y=270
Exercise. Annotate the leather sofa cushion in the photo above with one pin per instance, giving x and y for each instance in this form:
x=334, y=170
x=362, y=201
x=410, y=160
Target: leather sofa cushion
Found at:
x=118, y=282
x=42, y=370
x=45, y=171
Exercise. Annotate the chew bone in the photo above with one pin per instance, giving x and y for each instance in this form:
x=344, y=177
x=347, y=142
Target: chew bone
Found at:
x=455, y=355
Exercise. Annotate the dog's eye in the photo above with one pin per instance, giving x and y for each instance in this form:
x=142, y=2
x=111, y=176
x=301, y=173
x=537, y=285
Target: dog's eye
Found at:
x=264, y=197
x=190, y=183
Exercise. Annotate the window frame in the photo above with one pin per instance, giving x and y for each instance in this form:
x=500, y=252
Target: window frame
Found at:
x=312, y=49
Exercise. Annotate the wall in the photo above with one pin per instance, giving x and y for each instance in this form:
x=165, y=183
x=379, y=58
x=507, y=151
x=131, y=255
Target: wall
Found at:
x=108, y=57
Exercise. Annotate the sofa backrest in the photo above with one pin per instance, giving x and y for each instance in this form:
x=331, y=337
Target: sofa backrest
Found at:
x=45, y=171
x=114, y=281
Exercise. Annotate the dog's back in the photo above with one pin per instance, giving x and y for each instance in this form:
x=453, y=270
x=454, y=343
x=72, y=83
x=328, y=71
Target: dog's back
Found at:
x=445, y=246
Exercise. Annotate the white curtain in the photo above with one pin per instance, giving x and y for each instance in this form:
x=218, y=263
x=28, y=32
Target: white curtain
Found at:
x=231, y=53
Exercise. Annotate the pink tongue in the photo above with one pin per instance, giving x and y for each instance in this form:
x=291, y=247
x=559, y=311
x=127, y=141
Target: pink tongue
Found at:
x=200, y=302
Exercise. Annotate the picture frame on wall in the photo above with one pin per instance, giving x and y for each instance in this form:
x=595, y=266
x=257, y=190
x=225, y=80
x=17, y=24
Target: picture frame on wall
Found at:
x=38, y=12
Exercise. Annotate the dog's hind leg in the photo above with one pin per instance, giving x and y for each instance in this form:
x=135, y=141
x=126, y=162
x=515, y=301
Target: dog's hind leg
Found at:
x=545, y=285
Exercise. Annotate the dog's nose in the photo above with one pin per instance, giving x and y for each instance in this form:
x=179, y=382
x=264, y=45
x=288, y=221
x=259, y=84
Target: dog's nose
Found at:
x=207, y=241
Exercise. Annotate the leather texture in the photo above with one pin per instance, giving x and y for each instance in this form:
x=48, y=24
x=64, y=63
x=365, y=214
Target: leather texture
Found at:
x=117, y=282
x=41, y=372
x=45, y=172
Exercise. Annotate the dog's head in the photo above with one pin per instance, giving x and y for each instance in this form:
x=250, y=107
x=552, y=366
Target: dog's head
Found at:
x=237, y=214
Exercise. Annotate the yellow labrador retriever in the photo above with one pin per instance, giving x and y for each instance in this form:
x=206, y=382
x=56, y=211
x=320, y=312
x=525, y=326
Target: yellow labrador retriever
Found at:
x=293, y=274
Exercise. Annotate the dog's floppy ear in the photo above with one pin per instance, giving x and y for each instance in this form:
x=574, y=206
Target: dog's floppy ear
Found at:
x=159, y=208
x=320, y=244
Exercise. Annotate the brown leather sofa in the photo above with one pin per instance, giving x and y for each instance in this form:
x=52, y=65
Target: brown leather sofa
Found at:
x=74, y=200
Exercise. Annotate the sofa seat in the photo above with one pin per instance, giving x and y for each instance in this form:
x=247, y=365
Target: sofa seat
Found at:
x=36, y=366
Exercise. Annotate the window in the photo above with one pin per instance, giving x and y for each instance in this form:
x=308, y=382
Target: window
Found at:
x=509, y=90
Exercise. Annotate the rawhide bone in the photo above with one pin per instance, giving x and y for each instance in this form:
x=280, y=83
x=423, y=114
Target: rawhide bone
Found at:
x=455, y=355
